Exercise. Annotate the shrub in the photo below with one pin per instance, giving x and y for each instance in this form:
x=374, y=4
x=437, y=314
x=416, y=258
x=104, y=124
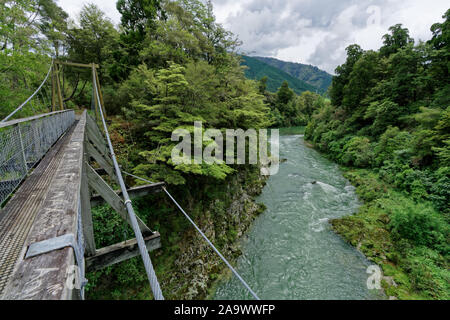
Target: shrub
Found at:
x=420, y=224
x=358, y=152
x=393, y=144
x=428, y=272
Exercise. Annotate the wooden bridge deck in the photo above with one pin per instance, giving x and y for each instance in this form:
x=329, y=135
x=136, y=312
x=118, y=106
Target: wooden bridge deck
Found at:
x=44, y=207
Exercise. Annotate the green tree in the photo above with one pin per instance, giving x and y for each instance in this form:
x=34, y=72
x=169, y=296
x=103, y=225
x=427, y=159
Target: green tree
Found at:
x=285, y=94
x=93, y=39
x=354, y=52
x=364, y=75
x=139, y=18
x=53, y=24
x=263, y=85
x=397, y=39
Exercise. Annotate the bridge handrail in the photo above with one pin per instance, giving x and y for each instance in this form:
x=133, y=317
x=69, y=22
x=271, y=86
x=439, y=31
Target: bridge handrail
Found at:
x=24, y=142
x=16, y=121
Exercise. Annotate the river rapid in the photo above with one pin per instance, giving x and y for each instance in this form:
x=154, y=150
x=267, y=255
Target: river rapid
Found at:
x=290, y=251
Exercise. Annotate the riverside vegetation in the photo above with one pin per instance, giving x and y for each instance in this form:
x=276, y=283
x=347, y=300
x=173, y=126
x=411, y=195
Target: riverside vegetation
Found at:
x=388, y=122
x=169, y=64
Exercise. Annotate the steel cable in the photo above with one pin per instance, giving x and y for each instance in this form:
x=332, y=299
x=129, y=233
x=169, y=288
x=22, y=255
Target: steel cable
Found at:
x=31, y=97
x=156, y=289
x=204, y=237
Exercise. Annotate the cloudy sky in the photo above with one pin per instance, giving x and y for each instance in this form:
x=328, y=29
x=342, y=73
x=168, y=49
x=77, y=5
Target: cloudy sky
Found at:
x=310, y=31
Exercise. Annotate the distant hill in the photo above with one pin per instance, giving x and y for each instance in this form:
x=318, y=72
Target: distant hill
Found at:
x=258, y=69
x=307, y=73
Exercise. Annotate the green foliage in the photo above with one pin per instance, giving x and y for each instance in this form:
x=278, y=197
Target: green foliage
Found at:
x=390, y=113
x=287, y=109
x=364, y=75
x=93, y=39
x=420, y=224
x=257, y=69
x=354, y=52
x=392, y=146
x=175, y=98
x=408, y=239
x=397, y=39
x=429, y=272
x=321, y=80
x=30, y=31
x=284, y=94
x=384, y=113
x=357, y=152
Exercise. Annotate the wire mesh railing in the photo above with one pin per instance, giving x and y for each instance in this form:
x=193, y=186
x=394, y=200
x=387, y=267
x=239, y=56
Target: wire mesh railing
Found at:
x=24, y=142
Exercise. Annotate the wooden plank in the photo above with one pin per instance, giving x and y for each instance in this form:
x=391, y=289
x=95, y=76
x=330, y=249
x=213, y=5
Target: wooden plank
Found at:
x=44, y=277
x=86, y=214
x=97, y=139
x=98, y=144
x=96, y=129
x=97, y=113
x=104, y=163
x=102, y=188
x=114, y=254
x=75, y=64
x=135, y=192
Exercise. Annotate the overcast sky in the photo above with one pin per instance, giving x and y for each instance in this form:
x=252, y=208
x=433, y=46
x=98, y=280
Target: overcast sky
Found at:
x=310, y=31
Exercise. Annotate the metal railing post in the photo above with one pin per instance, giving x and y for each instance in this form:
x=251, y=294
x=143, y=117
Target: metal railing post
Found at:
x=22, y=148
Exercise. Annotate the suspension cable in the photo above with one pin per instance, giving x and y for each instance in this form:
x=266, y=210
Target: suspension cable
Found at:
x=203, y=235
x=31, y=97
x=154, y=284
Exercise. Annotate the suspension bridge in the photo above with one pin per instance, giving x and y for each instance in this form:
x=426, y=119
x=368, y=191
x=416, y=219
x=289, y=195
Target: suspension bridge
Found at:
x=54, y=167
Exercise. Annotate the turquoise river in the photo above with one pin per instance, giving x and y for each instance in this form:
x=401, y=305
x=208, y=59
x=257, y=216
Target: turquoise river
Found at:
x=290, y=251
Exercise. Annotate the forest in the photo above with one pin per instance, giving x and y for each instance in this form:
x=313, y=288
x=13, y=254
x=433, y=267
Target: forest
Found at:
x=307, y=73
x=385, y=120
x=256, y=69
x=388, y=121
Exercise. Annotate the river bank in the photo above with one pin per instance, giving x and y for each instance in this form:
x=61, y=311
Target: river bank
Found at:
x=410, y=273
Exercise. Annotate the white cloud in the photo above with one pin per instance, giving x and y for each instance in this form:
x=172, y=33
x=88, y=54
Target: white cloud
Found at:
x=279, y=28
x=309, y=31
x=73, y=8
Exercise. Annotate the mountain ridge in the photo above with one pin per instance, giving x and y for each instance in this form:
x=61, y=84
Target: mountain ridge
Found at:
x=307, y=73
x=257, y=69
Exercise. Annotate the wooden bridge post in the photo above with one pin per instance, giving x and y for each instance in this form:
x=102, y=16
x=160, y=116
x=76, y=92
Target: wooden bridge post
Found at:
x=53, y=89
x=94, y=96
x=100, y=92
x=58, y=86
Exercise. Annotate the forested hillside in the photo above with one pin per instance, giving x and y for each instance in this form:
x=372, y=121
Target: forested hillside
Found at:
x=288, y=109
x=307, y=73
x=389, y=122
x=256, y=70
